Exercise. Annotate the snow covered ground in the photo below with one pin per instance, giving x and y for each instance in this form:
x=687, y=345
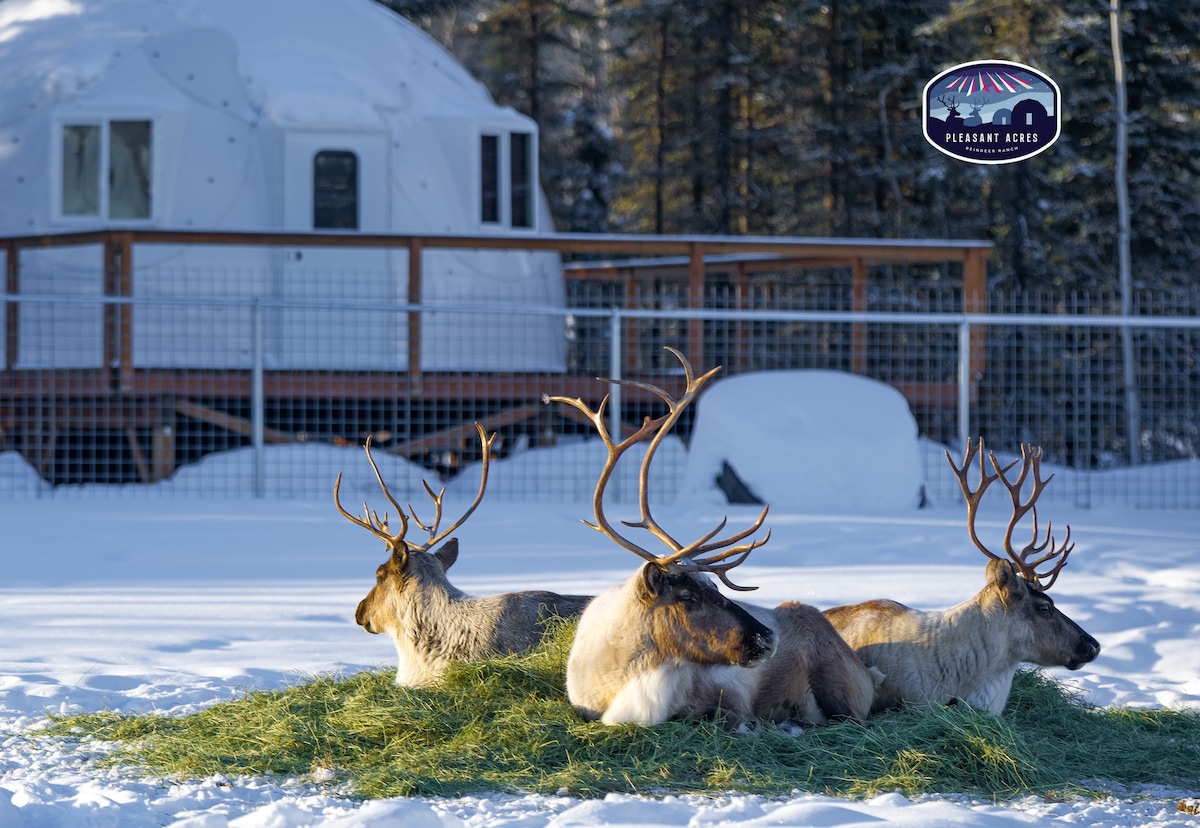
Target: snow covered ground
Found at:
x=118, y=599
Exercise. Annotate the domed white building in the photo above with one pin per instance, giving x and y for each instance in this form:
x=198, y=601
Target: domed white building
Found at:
x=253, y=115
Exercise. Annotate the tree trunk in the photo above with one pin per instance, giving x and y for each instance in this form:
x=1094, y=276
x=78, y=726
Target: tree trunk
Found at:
x=1132, y=404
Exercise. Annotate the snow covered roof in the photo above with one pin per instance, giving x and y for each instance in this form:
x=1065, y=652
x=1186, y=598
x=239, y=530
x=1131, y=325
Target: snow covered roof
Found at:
x=264, y=115
x=285, y=61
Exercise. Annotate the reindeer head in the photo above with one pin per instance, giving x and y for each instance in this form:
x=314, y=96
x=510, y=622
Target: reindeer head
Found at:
x=411, y=567
x=688, y=617
x=398, y=577
x=951, y=105
x=690, y=620
x=1049, y=638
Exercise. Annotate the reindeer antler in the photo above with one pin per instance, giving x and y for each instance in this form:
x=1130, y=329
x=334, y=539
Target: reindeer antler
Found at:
x=1031, y=459
x=379, y=526
x=702, y=555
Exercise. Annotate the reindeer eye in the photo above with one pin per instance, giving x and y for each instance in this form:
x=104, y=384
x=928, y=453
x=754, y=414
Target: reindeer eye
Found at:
x=1044, y=609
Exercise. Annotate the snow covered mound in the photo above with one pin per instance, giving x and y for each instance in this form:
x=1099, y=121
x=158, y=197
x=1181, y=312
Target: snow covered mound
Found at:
x=809, y=441
x=19, y=476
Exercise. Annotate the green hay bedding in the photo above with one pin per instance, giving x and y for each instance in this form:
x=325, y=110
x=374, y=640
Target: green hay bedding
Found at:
x=505, y=725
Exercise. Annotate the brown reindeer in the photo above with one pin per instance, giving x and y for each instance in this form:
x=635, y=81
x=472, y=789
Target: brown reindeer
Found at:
x=814, y=677
x=667, y=644
x=432, y=622
x=970, y=652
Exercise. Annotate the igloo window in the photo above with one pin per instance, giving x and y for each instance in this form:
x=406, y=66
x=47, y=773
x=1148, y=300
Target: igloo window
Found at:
x=507, y=179
x=335, y=190
x=129, y=170
x=521, y=163
x=81, y=170
x=489, y=179
x=107, y=169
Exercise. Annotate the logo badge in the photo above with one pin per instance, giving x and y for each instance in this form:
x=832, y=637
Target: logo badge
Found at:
x=991, y=112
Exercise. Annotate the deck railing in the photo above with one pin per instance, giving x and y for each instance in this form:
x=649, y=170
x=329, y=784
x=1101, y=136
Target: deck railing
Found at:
x=908, y=314
x=692, y=256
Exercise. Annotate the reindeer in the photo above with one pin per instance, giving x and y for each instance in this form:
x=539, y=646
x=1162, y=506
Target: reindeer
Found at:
x=977, y=105
x=667, y=644
x=970, y=652
x=432, y=622
x=951, y=109
x=814, y=677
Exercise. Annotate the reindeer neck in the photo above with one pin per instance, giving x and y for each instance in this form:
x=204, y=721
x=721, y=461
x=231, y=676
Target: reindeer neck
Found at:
x=440, y=618
x=980, y=618
x=630, y=632
x=977, y=630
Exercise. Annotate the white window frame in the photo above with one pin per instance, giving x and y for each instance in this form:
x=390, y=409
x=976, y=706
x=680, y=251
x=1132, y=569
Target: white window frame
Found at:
x=104, y=122
x=503, y=134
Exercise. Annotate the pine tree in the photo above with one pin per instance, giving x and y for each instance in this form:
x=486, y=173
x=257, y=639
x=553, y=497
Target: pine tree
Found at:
x=802, y=117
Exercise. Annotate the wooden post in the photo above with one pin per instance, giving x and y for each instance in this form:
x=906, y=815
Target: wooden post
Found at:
x=741, y=336
x=139, y=456
x=112, y=269
x=162, y=441
x=630, y=287
x=125, y=316
x=118, y=319
x=975, y=301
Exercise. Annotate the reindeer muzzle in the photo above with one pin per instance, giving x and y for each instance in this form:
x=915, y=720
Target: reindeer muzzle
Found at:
x=1086, y=652
x=758, y=647
x=363, y=620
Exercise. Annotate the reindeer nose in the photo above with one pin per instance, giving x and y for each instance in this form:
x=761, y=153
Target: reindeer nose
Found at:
x=362, y=619
x=1088, y=649
x=761, y=647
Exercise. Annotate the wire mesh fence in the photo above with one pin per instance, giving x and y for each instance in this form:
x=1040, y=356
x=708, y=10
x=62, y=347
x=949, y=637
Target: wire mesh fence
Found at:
x=220, y=392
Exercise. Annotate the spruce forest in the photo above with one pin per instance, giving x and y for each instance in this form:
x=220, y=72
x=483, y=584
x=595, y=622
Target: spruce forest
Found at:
x=804, y=118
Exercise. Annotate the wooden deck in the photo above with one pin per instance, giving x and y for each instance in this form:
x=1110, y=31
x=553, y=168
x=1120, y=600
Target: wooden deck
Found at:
x=39, y=408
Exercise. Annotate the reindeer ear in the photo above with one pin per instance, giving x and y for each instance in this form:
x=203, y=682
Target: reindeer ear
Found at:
x=652, y=582
x=448, y=553
x=1006, y=579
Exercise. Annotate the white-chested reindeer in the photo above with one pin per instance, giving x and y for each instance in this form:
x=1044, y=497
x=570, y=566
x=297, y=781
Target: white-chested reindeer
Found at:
x=432, y=622
x=969, y=653
x=667, y=644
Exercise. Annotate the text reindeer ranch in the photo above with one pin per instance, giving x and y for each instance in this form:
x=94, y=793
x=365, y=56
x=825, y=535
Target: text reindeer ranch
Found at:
x=970, y=652
x=431, y=621
x=668, y=644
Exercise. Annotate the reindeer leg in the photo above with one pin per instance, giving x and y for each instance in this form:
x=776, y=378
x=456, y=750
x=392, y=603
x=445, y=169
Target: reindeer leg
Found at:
x=843, y=688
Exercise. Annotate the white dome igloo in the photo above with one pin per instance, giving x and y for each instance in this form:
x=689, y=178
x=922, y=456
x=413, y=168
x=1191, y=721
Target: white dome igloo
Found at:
x=221, y=115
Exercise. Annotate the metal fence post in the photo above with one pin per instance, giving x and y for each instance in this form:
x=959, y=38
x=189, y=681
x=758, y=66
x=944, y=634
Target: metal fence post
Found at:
x=614, y=372
x=257, y=406
x=964, y=384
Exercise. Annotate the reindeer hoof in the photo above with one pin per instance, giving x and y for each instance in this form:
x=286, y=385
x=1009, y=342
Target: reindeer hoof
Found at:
x=747, y=727
x=790, y=727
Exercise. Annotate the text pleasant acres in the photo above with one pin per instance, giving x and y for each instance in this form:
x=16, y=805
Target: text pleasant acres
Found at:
x=992, y=138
